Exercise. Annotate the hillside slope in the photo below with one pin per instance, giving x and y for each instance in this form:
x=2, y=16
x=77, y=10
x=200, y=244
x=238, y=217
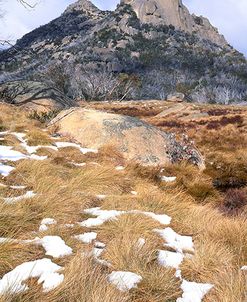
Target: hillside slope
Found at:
x=148, y=56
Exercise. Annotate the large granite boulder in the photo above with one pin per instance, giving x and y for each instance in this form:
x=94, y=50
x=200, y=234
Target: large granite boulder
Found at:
x=34, y=96
x=137, y=140
x=174, y=12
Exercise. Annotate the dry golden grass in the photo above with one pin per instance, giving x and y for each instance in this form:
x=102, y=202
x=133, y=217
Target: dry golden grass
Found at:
x=85, y=281
x=64, y=191
x=38, y=137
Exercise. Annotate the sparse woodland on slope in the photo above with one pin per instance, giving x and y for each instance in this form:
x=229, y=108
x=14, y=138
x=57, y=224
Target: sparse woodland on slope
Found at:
x=138, y=51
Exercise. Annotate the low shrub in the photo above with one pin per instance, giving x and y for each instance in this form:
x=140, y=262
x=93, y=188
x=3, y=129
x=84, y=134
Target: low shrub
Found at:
x=43, y=117
x=234, y=201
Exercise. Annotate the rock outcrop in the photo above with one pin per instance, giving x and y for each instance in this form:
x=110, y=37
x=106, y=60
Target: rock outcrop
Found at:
x=137, y=140
x=83, y=6
x=173, y=12
x=159, y=46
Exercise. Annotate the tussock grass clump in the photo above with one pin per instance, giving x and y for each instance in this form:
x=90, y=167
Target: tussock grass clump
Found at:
x=196, y=183
x=85, y=281
x=38, y=137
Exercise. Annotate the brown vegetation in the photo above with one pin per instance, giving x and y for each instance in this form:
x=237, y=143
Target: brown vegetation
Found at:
x=215, y=218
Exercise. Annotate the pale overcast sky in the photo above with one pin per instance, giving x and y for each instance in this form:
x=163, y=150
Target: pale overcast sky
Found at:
x=230, y=16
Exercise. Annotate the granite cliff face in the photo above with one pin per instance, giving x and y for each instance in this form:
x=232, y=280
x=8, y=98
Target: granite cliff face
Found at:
x=155, y=44
x=173, y=12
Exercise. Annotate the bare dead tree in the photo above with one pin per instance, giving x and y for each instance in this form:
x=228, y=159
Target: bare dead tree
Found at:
x=26, y=4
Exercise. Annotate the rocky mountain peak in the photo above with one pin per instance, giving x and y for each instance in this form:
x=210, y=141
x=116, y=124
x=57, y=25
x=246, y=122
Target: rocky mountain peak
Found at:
x=83, y=5
x=174, y=12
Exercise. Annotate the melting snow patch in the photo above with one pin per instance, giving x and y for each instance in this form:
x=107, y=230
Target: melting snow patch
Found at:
x=43, y=269
x=176, y=241
x=5, y=170
x=18, y=187
x=101, y=197
x=161, y=218
x=170, y=259
x=99, y=244
x=134, y=193
x=6, y=153
x=37, y=157
x=87, y=237
x=78, y=164
x=106, y=215
x=140, y=243
x=168, y=179
x=50, y=280
x=55, y=246
x=97, y=252
x=124, y=281
x=194, y=292
x=83, y=150
x=28, y=195
x=103, y=216
x=120, y=168
x=45, y=223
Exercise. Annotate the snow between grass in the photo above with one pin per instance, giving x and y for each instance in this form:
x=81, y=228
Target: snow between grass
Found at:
x=43, y=269
x=55, y=246
x=106, y=215
x=176, y=241
x=124, y=281
x=194, y=292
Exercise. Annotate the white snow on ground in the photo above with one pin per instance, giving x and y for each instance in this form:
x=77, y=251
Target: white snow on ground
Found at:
x=124, y=281
x=5, y=170
x=101, y=196
x=37, y=157
x=134, y=193
x=120, y=168
x=176, y=241
x=106, y=215
x=43, y=269
x=55, y=246
x=78, y=164
x=102, y=216
x=140, y=243
x=87, y=237
x=3, y=133
x=97, y=252
x=31, y=149
x=45, y=223
x=6, y=153
x=83, y=150
x=170, y=259
x=161, y=218
x=28, y=195
x=18, y=187
x=168, y=178
x=50, y=280
x=99, y=244
x=194, y=292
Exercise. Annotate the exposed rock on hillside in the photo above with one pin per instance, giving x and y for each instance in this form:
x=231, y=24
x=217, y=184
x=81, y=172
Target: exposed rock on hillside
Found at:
x=136, y=139
x=156, y=45
x=34, y=95
x=166, y=12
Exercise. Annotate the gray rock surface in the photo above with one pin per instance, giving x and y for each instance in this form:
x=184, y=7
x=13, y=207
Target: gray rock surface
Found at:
x=137, y=140
x=173, y=12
